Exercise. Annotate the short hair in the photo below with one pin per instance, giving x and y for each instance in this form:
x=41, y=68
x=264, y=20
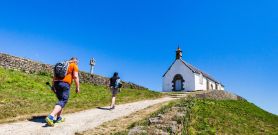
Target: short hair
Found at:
x=116, y=74
x=73, y=58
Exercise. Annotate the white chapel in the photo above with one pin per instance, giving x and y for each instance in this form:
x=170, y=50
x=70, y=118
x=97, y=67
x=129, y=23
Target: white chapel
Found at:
x=181, y=76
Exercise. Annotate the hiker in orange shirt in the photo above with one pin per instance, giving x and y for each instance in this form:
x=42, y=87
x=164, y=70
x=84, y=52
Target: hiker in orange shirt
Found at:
x=64, y=73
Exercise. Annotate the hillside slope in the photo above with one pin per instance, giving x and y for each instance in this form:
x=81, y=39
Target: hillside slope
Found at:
x=207, y=116
x=230, y=117
x=25, y=95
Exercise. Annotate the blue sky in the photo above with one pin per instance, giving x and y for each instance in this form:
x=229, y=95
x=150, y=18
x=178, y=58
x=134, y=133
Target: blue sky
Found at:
x=234, y=41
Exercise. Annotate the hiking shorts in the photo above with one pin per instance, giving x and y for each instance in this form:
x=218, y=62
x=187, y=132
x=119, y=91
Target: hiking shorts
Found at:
x=62, y=92
x=114, y=91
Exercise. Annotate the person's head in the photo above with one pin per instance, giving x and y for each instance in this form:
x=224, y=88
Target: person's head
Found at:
x=74, y=59
x=116, y=74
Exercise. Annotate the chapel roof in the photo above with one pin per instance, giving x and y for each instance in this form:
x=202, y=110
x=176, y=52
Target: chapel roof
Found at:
x=194, y=70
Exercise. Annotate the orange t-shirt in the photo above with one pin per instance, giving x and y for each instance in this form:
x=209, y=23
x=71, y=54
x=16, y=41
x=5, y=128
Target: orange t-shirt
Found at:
x=69, y=77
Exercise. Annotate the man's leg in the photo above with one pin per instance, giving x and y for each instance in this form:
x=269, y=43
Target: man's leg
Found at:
x=62, y=103
x=56, y=111
x=60, y=113
x=59, y=117
x=62, y=93
x=50, y=118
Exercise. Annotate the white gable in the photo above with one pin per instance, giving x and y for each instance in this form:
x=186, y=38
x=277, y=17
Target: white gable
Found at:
x=179, y=68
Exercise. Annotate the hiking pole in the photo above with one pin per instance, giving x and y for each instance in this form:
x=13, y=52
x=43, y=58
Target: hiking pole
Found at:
x=50, y=86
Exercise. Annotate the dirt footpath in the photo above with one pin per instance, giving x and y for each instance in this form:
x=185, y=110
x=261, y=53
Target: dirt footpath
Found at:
x=77, y=122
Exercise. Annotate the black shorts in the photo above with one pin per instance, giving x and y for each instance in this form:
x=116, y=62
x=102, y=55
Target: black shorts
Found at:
x=62, y=92
x=114, y=91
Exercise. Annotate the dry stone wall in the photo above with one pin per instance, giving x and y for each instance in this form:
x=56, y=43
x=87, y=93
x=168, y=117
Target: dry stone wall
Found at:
x=22, y=64
x=32, y=67
x=218, y=95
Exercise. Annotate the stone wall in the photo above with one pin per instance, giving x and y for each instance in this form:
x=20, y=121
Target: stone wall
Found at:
x=21, y=64
x=218, y=95
x=33, y=67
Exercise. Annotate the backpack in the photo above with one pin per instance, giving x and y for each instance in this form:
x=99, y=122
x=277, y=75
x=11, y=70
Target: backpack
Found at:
x=118, y=84
x=61, y=69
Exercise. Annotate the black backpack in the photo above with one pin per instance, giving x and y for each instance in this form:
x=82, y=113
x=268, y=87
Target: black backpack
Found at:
x=118, y=83
x=61, y=69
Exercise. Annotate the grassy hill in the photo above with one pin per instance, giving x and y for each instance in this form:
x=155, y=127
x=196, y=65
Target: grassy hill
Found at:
x=25, y=95
x=230, y=117
x=207, y=116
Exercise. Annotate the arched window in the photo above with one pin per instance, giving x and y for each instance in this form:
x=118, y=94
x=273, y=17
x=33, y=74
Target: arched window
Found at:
x=178, y=83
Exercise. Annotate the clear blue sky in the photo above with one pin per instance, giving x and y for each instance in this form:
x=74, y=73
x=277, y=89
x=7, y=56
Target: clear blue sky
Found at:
x=234, y=41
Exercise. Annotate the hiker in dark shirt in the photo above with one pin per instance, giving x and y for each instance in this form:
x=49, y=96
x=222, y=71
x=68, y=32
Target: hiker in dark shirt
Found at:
x=115, y=85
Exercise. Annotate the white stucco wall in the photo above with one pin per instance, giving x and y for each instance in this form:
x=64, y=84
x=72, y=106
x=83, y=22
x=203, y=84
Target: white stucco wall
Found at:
x=198, y=85
x=221, y=87
x=179, y=68
x=203, y=86
x=212, y=85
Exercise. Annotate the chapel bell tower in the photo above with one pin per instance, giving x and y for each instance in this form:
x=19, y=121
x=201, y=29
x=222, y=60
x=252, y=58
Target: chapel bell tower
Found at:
x=178, y=53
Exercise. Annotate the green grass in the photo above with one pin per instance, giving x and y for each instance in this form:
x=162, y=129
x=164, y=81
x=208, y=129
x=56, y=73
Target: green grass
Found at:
x=205, y=117
x=230, y=117
x=24, y=95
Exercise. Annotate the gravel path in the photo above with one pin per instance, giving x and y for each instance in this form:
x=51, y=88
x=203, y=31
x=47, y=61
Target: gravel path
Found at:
x=77, y=122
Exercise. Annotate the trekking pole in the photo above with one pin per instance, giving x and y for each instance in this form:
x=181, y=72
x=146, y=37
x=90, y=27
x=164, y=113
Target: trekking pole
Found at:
x=50, y=86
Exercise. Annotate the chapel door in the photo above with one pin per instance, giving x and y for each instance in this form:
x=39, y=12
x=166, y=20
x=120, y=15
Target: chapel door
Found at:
x=178, y=85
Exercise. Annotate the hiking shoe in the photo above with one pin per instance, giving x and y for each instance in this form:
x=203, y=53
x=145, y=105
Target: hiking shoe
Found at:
x=60, y=120
x=112, y=108
x=49, y=120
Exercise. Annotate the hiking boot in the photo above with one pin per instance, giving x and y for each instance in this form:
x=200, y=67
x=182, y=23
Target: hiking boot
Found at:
x=112, y=108
x=49, y=120
x=60, y=120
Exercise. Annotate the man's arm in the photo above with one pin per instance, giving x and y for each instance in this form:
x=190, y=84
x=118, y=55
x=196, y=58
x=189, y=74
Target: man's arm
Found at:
x=76, y=80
